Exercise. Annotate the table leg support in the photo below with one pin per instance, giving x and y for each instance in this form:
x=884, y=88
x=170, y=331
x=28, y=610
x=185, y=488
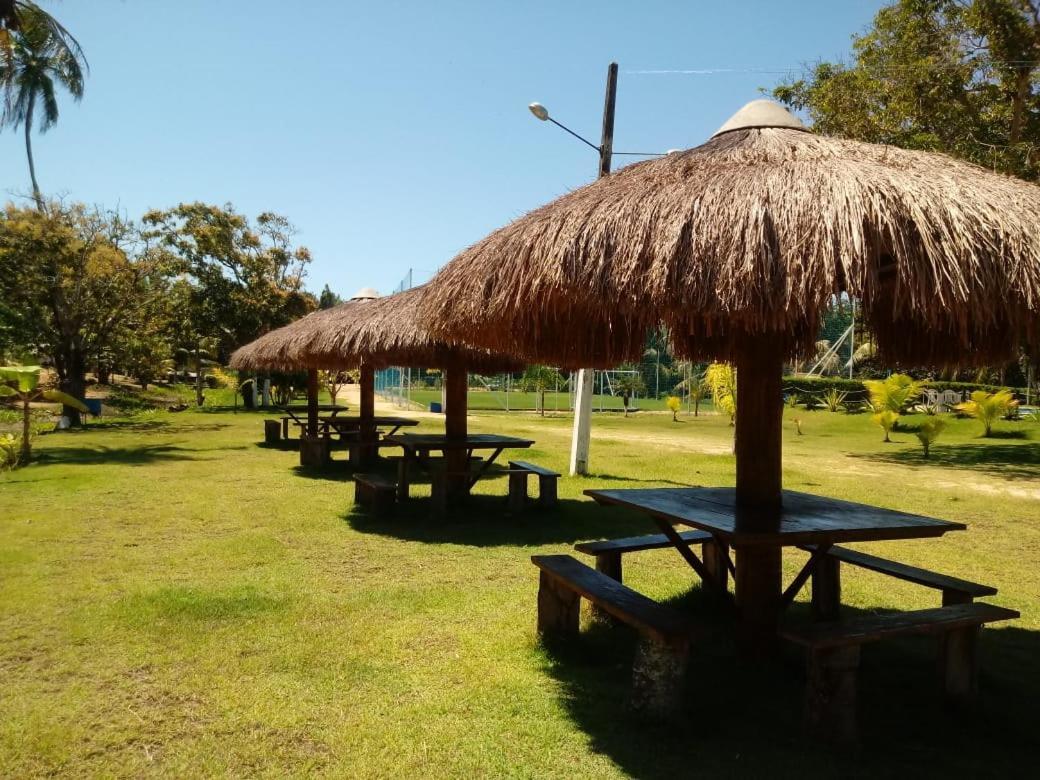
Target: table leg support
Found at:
x=403, y=475
x=517, y=491
x=715, y=557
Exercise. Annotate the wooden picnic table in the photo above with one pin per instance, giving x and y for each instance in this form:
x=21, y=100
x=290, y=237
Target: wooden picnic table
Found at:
x=418, y=446
x=291, y=414
x=806, y=520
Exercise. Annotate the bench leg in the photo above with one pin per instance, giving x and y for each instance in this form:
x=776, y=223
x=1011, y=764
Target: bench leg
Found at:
x=715, y=556
x=609, y=563
x=830, y=696
x=403, y=475
x=558, y=607
x=547, y=492
x=383, y=503
x=826, y=589
x=314, y=451
x=517, y=491
x=360, y=496
x=658, y=678
x=272, y=432
x=285, y=429
x=958, y=659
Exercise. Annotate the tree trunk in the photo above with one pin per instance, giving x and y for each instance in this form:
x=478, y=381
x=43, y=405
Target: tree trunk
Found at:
x=74, y=382
x=37, y=196
x=26, y=422
x=199, y=399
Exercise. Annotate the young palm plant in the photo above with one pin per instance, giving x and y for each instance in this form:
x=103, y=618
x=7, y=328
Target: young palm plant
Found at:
x=889, y=397
x=23, y=384
x=38, y=57
x=929, y=431
x=987, y=408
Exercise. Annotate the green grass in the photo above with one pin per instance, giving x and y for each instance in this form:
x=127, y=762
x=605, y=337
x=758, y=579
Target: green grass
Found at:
x=176, y=599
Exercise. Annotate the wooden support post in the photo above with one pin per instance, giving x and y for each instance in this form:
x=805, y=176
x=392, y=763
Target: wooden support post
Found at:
x=456, y=385
x=830, y=697
x=658, y=678
x=312, y=402
x=272, y=431
x=367, y=433
x=826, y=588
x=558, y=608
x=609, y=563
x=758, y=496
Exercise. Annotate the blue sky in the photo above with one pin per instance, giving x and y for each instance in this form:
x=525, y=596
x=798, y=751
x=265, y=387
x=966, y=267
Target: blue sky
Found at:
x=394, y=134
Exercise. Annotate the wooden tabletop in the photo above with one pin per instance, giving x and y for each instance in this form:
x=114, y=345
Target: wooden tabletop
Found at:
x=806, y=519
x=474, y=441
x=355, y=419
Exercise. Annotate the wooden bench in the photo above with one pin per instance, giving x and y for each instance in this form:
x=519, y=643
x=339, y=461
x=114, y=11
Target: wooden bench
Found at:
x=519, y=471
x=834, y=651
x=375, y=493
x=659, y=669
x=608, y=552
x=826, y=584
x=272, y=432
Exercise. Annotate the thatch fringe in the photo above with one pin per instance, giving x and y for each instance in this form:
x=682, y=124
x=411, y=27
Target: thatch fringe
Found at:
x=752, y=233
x=379, y=333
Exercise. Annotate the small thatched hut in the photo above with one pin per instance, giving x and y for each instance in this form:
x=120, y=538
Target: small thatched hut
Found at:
x=738, y=245
x=370, y=333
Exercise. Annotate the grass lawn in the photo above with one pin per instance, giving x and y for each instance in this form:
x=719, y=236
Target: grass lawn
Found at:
x=177, y=599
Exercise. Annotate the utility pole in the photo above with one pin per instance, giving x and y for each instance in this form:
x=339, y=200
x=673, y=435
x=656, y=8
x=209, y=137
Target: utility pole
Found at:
x=583, y=396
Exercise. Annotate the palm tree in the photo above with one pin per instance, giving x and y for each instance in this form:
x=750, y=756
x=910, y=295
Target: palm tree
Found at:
x=38, y=57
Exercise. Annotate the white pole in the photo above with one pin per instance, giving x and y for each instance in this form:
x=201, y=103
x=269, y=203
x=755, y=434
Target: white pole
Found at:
x=582, y=423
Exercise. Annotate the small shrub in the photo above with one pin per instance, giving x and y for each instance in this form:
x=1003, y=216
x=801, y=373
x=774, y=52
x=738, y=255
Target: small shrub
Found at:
x=834, y=398
x=10, y=451
x=791, y=400
x=798, y=424
x=929, y=431
x=674, y=404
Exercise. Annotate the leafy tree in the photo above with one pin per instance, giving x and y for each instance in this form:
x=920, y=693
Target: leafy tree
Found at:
x=540, y=380
x=40, y=56
x=23, y=384
x=627, y=385
x=328, y=299
x=240, y=279
x=956, y=76
x=987, y=408
x=332, y=381
x=68, y=284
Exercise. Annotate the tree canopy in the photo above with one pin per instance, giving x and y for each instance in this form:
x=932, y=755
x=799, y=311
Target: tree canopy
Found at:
x=955, y=76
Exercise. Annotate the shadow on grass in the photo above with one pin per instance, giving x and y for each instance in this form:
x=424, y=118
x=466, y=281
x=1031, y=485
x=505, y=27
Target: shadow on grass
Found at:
x=483, y=521
x=617, y=478
x=127, y=456
x=1012, y=461
x=743, y=718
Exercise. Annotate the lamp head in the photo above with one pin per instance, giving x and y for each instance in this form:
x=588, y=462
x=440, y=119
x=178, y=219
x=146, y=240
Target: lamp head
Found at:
x=540, y=111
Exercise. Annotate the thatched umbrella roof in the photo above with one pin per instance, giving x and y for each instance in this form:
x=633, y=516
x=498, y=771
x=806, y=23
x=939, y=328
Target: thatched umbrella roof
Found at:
x=363, y=332
x=754, y=233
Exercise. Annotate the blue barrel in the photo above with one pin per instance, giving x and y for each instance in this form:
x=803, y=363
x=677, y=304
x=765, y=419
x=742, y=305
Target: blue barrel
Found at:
x=435, y=407
x=94, y=405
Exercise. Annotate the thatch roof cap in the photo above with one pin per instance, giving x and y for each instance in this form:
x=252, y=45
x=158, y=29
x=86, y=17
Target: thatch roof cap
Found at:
x=376, y=332
x=760, y=113
x=755, y=232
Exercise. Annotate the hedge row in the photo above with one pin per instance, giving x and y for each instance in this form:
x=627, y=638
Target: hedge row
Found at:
x=818, y=385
